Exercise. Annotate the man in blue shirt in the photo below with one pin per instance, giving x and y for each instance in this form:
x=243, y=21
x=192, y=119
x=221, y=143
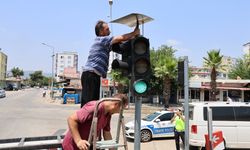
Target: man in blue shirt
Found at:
x=98, y=60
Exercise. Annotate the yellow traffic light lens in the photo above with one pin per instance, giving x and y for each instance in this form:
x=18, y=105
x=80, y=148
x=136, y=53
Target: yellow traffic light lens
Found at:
x=140, y=86
x=141, y=66
x=140, y=48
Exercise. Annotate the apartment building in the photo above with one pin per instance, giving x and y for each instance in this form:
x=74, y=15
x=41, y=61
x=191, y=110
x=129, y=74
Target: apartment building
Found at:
x=65, y=60
x=3, y=68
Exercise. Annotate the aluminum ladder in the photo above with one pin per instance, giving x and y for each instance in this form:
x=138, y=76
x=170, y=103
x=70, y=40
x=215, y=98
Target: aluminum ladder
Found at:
x=114, y=143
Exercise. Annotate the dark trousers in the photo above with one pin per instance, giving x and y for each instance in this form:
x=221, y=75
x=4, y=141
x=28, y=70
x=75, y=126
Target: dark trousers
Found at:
x=90, y=87
x=177, y=136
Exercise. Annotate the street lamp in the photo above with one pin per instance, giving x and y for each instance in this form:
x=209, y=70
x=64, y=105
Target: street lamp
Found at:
x=110, y=15
x=110, y=4
x=52, y=76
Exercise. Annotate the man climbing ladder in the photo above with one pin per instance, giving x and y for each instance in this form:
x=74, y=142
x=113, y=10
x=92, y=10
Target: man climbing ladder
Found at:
x=87, y=123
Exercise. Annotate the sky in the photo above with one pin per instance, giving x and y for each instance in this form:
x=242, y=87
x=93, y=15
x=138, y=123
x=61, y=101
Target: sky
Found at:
x=192, y=27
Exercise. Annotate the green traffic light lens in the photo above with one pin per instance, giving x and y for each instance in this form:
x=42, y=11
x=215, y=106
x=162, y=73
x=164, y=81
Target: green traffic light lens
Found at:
x=140, y=87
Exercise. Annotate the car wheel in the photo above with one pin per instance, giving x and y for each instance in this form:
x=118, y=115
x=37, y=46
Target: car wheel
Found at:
x=146, y=136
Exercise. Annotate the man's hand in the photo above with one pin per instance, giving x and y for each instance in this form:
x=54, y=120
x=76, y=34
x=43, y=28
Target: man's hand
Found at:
x=178, y=113
x=83, y=144
x=136, y=32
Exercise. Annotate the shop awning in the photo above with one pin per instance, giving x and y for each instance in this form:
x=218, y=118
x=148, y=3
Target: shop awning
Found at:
x=227, y=88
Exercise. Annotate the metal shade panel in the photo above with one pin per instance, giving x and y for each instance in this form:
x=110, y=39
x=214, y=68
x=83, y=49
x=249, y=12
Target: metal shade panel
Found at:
x=131, y=19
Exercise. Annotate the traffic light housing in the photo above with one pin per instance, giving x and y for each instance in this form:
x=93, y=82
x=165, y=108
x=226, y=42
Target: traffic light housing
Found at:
x=123, y=65
x=141, y=69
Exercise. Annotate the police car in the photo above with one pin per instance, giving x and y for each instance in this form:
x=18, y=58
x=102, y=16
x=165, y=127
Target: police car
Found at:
x=157, y=124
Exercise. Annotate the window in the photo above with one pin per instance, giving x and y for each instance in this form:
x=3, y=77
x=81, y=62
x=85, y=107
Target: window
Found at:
x=191, y=112
x=220, y=113
x=242, y=113
x=181, y=94
x=195, y=94
x=234, y=94
x=166, y=117
x=150, y=117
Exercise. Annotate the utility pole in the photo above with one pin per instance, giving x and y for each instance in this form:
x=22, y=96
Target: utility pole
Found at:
x=52, y=72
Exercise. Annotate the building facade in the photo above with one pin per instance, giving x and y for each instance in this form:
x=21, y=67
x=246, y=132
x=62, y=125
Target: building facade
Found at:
x=3, y=68
x=199, y=84
x=65, y=60
x=246, y=48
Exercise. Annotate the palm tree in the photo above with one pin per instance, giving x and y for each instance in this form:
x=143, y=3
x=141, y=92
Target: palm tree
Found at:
x=165, y=69
x=16, y=72
x=213, y=61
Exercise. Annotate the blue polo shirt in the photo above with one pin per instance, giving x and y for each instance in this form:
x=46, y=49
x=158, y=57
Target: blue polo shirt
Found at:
x=98, y=59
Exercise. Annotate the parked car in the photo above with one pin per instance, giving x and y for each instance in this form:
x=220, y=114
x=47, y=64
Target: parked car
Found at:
x=232, y=118
x=2, y=93
x=157, y=124
x=11, y=87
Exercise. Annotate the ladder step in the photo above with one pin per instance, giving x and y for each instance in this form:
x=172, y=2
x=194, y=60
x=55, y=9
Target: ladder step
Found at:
x=108, y=144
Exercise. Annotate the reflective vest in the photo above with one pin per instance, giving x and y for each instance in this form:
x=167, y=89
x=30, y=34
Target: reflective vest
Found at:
x=179, y=124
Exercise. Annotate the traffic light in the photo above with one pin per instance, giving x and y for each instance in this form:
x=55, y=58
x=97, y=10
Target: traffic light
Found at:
x=141, y=68
x=123, y=65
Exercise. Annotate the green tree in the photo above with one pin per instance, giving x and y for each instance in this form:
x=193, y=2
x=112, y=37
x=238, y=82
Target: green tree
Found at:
x=241, y=68
x=36, y=78
x=16, y=72
x=121, y=80
x=213, y=61
x=164, y=65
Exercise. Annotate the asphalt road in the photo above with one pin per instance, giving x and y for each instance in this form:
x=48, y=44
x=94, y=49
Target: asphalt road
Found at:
x=25, y=113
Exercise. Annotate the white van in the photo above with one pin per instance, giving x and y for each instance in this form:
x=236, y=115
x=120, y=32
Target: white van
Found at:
x=232, y=118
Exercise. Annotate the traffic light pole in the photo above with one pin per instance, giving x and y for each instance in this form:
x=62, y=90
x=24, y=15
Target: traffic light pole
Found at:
x=186, y=104
x=138, y=102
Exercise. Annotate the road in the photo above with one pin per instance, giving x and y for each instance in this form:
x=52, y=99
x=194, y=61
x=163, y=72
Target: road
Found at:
x=25, y=113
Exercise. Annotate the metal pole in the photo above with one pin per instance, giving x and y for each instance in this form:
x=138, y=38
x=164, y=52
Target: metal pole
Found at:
x=110, y=14
x=137, y=144
x=52, y=79
x=52, y=76
x=210, y=127
x=186, y=105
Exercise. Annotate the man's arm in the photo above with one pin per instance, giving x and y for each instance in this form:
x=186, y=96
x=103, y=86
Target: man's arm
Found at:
x=73, y=127
x=172, y=120
x=107, y=135
x=182, y=117
x=125, y=37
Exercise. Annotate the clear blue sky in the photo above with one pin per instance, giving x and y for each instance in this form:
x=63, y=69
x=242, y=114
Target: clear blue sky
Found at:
x=192, y=27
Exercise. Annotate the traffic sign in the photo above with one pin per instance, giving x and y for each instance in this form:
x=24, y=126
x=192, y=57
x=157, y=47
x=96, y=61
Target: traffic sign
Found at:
x=217, y=141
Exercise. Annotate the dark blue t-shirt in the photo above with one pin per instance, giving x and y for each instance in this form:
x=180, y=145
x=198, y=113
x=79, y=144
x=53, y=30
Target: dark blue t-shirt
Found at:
x=98, y=58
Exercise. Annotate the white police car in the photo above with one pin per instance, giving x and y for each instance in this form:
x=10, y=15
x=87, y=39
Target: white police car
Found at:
x=157, y=124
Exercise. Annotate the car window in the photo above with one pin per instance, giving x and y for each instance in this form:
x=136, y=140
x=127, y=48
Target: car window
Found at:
x=220, y=113
x=242, y=113
x=166, y=116
x=151, y=117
